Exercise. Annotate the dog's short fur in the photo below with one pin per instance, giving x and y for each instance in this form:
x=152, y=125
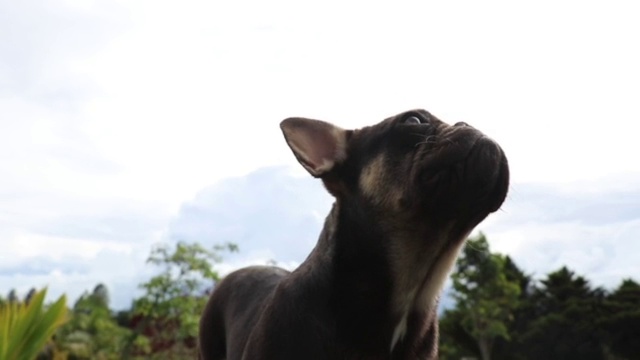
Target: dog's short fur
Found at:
x=408, y=191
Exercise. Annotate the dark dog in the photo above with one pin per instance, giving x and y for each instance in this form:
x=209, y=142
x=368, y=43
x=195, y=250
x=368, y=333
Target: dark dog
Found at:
x=408, y=192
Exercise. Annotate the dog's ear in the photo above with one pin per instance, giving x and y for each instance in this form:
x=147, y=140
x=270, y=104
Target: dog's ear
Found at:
x=318, y=145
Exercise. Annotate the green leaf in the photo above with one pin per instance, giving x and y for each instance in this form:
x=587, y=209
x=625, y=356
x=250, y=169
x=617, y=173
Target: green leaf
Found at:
x=26, y=328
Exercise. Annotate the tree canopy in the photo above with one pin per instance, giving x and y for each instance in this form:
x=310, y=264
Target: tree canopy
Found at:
x=500, y=312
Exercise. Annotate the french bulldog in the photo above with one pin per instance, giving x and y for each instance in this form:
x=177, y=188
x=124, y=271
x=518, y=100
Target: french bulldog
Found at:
x=408, y=191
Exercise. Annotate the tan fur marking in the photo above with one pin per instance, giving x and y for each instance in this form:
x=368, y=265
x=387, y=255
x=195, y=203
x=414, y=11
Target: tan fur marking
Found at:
x=437, y=276
x=376, y=184
x=411, y=265
x=420, y=272
x=372, y=176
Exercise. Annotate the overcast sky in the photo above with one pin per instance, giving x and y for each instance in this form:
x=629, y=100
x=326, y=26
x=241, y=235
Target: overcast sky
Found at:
x=126, y=123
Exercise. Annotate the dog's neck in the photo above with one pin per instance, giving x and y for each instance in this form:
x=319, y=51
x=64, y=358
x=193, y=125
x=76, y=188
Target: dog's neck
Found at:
x=371, y=292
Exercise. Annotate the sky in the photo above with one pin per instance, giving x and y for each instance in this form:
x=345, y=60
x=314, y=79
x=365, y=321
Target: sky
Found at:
x=124, y=124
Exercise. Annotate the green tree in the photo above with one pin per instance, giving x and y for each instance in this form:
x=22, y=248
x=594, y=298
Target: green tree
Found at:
x=92, y=332
x=100, y=295
x=559, y=317
x=566, y=312
x=13, y=296
x=169, y=311
x=523, y=315
x=621, y=320
x=455, y=342
x=485, y=297
x=29, y=296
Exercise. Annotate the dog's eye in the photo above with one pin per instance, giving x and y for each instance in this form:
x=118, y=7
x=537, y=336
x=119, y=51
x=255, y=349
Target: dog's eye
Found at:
x=413, y=120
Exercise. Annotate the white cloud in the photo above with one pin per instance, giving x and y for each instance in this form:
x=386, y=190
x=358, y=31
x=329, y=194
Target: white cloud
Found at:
x=270, y=214
x=590, y=227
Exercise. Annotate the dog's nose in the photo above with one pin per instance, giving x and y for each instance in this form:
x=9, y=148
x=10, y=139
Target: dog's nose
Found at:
x=461, y=123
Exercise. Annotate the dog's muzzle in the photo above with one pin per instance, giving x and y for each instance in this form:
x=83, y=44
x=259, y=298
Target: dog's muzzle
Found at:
x=464, y=172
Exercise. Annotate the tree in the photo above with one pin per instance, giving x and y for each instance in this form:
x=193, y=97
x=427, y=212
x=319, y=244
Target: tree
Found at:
x=566, y=312
x=523, y=315
x=485, y=297
x=13, y=296
x=166, y=317
x=101, y=295
x=560, y=317
x=29, y=295
x=621, y=320
x=92, y=332
x=455, y=342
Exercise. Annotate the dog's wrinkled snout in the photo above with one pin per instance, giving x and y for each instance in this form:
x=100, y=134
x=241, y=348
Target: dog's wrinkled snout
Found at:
x=461, y=123
x=487, y=172
x=485, y=157
x=466, y=170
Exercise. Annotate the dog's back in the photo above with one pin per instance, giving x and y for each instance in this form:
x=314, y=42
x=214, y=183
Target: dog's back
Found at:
x=235, y=306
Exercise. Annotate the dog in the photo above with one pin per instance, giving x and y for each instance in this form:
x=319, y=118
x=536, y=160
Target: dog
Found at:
x=408, y=191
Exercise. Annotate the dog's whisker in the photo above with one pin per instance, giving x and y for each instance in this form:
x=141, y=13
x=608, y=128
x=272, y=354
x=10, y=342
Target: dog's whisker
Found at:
x=425, y=142
x=476, y=249
x=431, y=139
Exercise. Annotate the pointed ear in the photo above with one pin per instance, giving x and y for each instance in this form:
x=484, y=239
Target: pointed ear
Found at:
x=317, y=145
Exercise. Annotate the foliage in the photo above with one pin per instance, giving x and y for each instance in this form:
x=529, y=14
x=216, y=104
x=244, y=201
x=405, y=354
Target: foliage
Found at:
x=621, y=322
x=92, y=332
x=161, y=324
x=560, y=316
x=166, y=317
x=455, y=342
x=485, y=296
x=13, y=296
x=26, y=328
x=565, y=311
x=522, y=315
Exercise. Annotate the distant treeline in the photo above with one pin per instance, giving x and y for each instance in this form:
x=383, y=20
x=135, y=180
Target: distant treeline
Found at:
x=501, y=313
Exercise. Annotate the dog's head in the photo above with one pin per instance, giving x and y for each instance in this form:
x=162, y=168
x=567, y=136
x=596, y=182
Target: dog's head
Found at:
x=409, y=169
x=410, y=189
